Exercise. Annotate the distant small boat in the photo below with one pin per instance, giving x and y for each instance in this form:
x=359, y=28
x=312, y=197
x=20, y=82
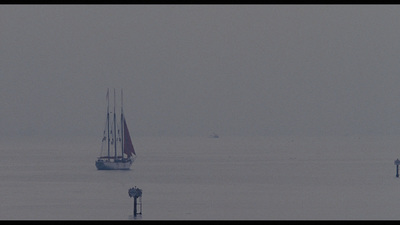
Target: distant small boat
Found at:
x=116, y=137
x=214, y=135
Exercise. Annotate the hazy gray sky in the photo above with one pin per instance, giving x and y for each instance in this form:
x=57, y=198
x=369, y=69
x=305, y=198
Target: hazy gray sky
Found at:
x=198, y=69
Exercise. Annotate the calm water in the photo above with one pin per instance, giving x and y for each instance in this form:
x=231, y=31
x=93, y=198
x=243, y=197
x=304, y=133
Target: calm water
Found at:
x=200, y=178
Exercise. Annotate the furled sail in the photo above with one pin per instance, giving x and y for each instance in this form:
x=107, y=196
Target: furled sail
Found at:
x=128, y=146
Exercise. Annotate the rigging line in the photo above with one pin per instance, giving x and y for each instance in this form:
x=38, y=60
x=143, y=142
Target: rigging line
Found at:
x=104, y=139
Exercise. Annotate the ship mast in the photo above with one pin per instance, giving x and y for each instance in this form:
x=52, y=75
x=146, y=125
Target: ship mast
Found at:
x=115, y=131
x=108, y=124
x=122, y=127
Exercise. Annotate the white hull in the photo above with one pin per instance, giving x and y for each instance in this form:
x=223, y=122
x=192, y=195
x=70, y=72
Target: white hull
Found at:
x=114, y=165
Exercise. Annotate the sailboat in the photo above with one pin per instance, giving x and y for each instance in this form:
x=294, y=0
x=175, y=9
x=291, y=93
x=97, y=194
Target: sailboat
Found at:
x=116, y=137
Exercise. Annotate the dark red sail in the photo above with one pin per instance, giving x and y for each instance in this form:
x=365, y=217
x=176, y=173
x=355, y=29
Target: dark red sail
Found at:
x=128, y=146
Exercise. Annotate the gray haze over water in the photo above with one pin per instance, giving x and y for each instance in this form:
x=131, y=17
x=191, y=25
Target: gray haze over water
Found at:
x=197, y=69
x=305, y=98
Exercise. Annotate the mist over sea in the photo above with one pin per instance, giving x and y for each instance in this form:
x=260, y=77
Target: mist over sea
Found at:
x=201, y=178
x=305, y=99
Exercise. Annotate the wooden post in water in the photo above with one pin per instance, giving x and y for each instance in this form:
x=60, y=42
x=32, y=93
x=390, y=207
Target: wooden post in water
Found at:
x=135, y=193
x=134, y=206
x=397, y=163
